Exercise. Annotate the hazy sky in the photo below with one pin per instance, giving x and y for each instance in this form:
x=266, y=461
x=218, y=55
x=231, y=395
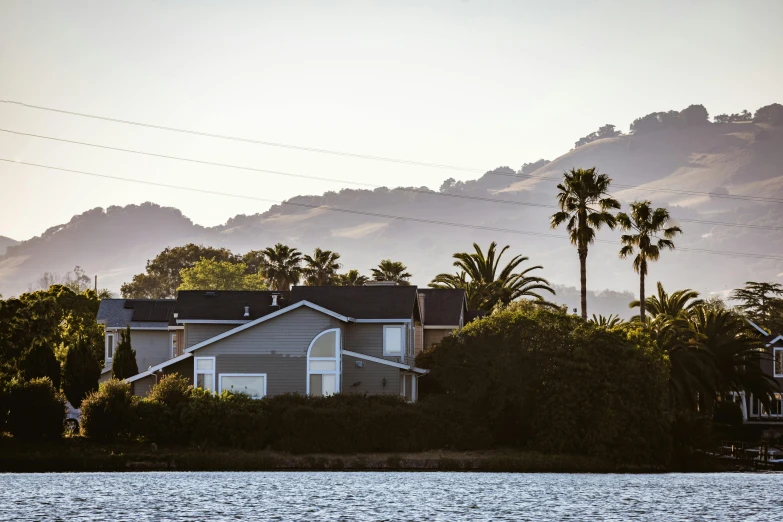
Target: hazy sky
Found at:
x=475, y=84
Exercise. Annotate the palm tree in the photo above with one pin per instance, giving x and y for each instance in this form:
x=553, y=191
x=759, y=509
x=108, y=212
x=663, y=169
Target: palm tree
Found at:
x=389, y=270
x=609, y=321
x=351, y=278
x=321, y=269
x=584, y=207
x=283, y=266
x=645, y=225
x=486, y=284
x=679, y=304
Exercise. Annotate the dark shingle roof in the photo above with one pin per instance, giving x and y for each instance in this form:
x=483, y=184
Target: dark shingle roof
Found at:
x=136, y=313
x=158, y=310
x=227, y=305
x=443, y=306
x=361, y=302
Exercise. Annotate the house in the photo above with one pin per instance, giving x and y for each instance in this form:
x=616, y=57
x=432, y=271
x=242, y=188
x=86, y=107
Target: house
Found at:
x=148, y=320
x=753, y=411
x=314, y=340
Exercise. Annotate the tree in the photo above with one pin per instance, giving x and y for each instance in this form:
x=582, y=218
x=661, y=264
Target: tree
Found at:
x=283, y=266
x=81, y=372
x=762, y=303
x=162, y=277
x=679, y=304
x=352, y=278
x=39, y=361
x=584, y=207
x=124, y=363
x=645, y=224
x=772, y=114
x=209, y=274
x=695, y=115
x=488, y=284
x=389, y=270
x=609, y=321
x=255, y=260
x=321, y=269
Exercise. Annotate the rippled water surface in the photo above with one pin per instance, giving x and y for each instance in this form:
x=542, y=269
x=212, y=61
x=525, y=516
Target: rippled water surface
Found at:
x=389, y=496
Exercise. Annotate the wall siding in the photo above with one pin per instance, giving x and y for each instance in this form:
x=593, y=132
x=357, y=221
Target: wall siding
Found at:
x=367, y=338
x=142, y=387
x=284, y=374
x=369, y=377
x=197, y=333
x=432, y=336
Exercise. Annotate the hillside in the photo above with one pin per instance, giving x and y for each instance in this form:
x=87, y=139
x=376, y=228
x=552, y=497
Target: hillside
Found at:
x=6, y=242
x=733, y=158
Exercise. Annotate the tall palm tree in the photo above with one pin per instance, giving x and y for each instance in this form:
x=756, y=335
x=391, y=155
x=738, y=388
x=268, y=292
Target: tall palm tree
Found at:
x=321, y=269
x=645, y=225
x=351, y=278
x=679, y=304
x=389, y=270
x=487, y=284
x=283, y=266
x=584, y=207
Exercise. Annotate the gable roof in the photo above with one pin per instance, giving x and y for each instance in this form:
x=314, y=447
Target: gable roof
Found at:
x=136, y=313
x=362, y=302
x=443, y=306
x=226, y=305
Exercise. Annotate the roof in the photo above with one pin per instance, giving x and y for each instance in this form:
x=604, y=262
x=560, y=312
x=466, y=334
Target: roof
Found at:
x=227, y=305
x=472, y=315
x=443, y=306
x=774, y=339
x=361, y=302
x=136, y=313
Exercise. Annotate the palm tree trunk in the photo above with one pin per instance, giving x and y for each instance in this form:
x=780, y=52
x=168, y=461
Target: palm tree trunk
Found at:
x=583, y=281
x=641, y=296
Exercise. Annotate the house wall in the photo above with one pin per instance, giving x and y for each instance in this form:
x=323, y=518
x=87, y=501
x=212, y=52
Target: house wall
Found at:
x=142, y=387
x=367, y=338
x=369, y=378
x=433, y=336
x=196, y=333
x=152, y=347
x=284, y=374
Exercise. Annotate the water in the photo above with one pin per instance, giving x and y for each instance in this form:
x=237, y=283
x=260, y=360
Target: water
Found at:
x=389, y=496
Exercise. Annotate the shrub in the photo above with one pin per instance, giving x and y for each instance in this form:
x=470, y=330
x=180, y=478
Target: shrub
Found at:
x=172, y=390
x=5, y=395
x=107, y=414
x=81, y=372
x=36, y=410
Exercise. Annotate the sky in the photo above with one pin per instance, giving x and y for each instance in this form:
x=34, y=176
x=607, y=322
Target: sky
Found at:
x=474, y=84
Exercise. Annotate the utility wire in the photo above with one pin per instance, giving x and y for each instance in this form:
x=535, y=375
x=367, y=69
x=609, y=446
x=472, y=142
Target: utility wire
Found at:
x=356, y=183
x=372, y=214
x=376, y=158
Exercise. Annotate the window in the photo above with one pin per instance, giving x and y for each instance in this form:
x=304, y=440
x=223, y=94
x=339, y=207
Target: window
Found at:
x=109, y=346
x=323, y=364
x=393, y=340
x=205, y=372
x=778, y=362
x=776, y=408
x=252, y=384
x=173, y=345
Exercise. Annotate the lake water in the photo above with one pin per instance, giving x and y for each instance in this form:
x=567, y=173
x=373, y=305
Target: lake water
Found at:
x=389, y=496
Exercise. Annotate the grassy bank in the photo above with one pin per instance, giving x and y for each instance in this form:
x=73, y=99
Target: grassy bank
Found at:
x=76, y=454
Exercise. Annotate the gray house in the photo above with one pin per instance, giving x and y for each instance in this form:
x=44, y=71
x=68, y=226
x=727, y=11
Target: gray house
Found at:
x=312, y=340
x=753, y=411
x=148, y=320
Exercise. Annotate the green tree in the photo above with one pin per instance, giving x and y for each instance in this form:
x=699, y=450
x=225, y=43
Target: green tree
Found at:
x=351, y=278
x=679, y=304
x=162, y=277
x=489, y=283
x=255, y=261
x=584, y=207
x=609, y=321
x=645, y=224
x=39, y=361
x=124, y=363
x=321, y=268
x=762, y=303
x=389, y=270
x=283, y=266
x=209, y=274
x=81, y=372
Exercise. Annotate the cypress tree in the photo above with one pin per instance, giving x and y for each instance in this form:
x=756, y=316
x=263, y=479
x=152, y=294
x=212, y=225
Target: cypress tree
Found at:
x=39, y=361
x=124, y=363
x=81, y=372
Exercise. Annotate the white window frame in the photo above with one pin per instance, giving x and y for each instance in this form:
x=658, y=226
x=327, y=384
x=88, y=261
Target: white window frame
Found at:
x=779, y=398
x=113, y=346
x=775, y=352
x=213, y=372
x=401, y=353
x=220, y=387
x=337, y=360
x=173, y=345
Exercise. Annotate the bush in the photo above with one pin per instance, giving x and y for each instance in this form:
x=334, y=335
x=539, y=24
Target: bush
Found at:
x=81, y=372
x=172, y=390
x=5, y=395
x=39, y=361
x=108, y=413
x=36, y=410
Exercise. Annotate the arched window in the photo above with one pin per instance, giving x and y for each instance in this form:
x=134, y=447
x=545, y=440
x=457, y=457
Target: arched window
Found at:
x=323, y=364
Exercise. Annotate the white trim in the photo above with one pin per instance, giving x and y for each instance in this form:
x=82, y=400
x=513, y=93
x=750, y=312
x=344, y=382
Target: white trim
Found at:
x=774, y=352
x=267, y=318
x=742, y=402
x=337, y=360
x=133, y=328
x=212, y=321
x=441, y=327
x=378, y=360
x=775, y=340
x=220, y=385
x=212, y=372
x=173, y=343
x=382, y=320
x=401, y=353
x=106, y=345
x=757, y=327
x=171, y=328
x=157, y=367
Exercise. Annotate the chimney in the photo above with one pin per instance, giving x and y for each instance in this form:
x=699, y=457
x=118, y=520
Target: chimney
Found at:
x=247, y=311
x=274, y=301
x=422, y=298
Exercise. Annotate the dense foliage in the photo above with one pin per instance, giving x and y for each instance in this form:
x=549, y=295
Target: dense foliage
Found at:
x=209, y=274
x=690, y=116
x=80, y=372
x=107, y=413
x=124, y=362
x=607, y=131
x=36, y=410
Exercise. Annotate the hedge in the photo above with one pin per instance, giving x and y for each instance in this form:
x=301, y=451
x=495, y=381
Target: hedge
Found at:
x=36, y=410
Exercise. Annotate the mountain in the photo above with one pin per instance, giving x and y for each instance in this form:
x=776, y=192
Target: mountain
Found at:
x=731, y=159
x=6, y=242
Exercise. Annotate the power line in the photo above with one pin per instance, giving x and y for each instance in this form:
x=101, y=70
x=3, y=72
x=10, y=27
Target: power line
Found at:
x=378, y=158
x=336, y=180
x=367, y=213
